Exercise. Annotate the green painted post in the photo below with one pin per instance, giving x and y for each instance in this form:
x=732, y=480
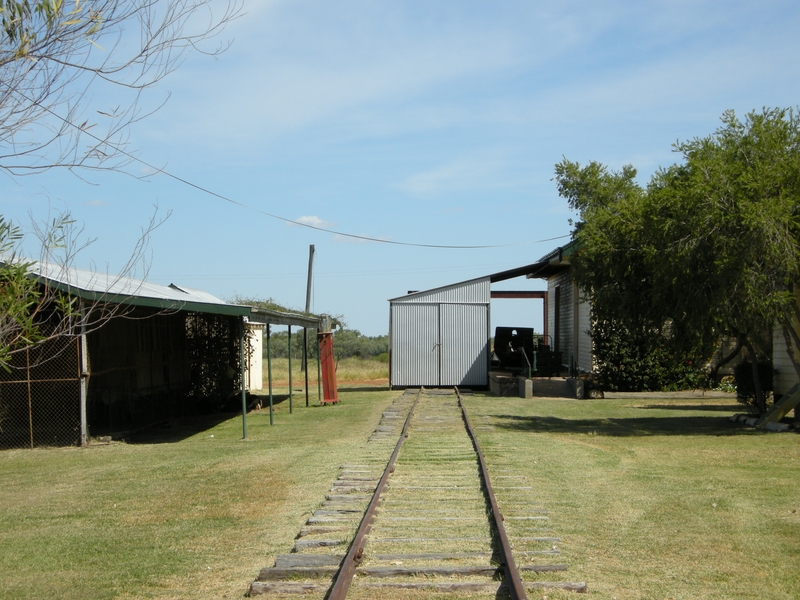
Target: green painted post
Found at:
x=290, y=370
x=244, y=392
x=269, y=375
x=305, y=359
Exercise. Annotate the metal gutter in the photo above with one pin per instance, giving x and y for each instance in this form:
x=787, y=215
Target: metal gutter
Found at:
x=275, y=317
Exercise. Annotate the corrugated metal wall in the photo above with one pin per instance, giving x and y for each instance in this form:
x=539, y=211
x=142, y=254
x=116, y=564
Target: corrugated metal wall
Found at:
x=465, y=344
x=440, y=337
x=414, y=344
x=562, y=314
x=475, y=291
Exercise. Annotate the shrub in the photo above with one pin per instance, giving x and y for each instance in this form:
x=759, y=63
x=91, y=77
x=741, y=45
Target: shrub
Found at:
x=640, y=361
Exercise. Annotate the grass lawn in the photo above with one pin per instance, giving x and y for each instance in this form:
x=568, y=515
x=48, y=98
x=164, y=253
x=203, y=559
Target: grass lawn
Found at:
x=653, y=497
x=180, y=513
x=656, y=497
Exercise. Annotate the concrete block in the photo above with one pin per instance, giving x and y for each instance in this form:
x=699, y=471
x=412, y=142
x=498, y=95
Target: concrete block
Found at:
x=577, y=386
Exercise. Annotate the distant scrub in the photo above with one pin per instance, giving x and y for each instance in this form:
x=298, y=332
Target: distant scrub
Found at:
x=347, y=343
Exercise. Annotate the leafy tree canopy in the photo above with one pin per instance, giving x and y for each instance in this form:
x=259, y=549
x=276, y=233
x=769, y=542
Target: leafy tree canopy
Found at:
x=709, y=246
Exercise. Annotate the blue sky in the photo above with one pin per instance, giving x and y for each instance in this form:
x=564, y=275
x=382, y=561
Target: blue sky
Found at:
x=415, y=122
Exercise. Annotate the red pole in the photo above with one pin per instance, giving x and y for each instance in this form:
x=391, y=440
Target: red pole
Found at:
x=330, y=394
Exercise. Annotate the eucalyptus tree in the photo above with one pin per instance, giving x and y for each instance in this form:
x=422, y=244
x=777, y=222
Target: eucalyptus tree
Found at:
x=72, y=73
x=710, y=246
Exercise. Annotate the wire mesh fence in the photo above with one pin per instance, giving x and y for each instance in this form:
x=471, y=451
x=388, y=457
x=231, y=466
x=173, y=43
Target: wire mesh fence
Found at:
x=141, y=367
x=40, y=396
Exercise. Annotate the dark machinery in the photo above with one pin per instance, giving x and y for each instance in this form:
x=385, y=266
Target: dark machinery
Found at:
x=521, y=351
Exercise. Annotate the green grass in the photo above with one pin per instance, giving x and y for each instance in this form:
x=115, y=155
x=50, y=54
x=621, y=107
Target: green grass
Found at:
x=631, y=486
x=656, y=498
x=175, y=514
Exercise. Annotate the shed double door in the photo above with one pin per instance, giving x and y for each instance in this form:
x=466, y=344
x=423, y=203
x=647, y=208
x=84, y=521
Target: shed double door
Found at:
x=440, y=344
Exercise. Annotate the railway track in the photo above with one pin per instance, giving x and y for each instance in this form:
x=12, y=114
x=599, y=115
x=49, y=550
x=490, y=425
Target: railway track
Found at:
x=426, y=521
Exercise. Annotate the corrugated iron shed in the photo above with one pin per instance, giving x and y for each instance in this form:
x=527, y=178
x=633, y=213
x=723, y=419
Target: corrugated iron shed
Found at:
x=103, y=287
x=440, y=337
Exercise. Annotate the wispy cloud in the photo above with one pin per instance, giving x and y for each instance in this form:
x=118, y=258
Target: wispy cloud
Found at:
x=466, y=173
x=312, y=221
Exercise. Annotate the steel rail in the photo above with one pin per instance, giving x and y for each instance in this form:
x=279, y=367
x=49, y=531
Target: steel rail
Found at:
x=356, y=552
x=515, y=585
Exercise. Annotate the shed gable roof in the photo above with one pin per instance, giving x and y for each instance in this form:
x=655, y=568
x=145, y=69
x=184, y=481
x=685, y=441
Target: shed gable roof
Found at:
x=104, y=287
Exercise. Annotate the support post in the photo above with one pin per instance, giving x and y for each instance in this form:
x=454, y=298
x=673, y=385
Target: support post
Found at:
x=290, y=371
x=305, y=359
x=242, y=369
x=84, y=377
x=328, y=363
x=30, y=398
x=269, y=373
x=544, y=318
x=319, y=379
x=308, y=296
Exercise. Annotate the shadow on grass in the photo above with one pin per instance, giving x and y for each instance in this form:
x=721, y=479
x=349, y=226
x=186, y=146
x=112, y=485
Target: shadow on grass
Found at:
x=626, y=427
x=732, y=408
x=180, y=428
x=365, y=388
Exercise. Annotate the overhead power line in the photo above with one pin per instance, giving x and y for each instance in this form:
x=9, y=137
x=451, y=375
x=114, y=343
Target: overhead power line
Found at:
x=205, y=190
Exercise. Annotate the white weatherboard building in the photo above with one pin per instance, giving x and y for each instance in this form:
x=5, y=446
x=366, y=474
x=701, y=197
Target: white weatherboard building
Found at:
x=568, y=311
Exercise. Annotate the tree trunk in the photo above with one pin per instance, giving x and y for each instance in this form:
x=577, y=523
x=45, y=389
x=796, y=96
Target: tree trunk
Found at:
x=712, y=373
x=761, y=404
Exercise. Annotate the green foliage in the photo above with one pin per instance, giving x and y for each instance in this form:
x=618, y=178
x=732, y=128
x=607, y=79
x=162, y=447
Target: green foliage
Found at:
x=279, y=344
x=337, y=321
x=709, y=247
x=267, y=303
x=347, y=343
x=26, y=304
x=636, y=361
x=350, y=342
x=26, y=25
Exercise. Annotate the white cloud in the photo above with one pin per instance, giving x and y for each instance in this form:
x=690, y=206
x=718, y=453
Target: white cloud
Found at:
x=370, y=69
x=311, y=221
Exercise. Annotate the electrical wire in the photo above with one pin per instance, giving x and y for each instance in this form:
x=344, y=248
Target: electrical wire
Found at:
x=278, y=217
